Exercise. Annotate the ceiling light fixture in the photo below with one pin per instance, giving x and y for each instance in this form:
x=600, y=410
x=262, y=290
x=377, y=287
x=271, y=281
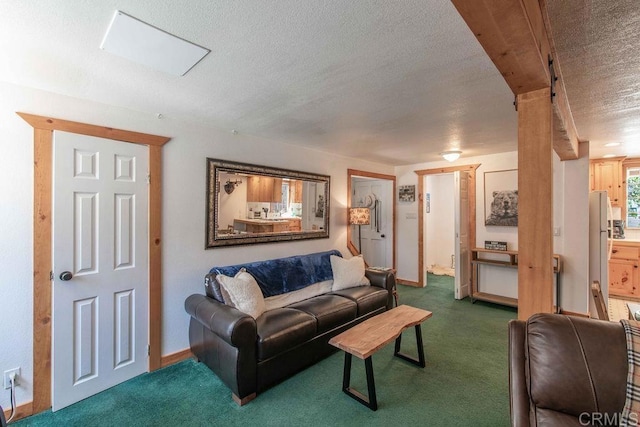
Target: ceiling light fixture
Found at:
x=451, y=156
x=608, y=156
x=612, y=144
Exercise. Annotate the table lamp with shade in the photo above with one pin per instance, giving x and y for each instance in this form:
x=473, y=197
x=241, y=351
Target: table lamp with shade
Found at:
x=359, y=217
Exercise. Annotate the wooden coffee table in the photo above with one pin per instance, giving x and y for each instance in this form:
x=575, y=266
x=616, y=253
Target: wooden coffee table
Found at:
x=364, y=339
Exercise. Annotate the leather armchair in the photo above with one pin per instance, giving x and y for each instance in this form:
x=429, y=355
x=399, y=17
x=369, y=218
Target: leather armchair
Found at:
x=566, y=371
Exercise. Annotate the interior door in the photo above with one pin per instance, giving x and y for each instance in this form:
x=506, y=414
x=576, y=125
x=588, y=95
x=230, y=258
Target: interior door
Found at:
x=100, y=265
x=462, y=249
x=377, y=236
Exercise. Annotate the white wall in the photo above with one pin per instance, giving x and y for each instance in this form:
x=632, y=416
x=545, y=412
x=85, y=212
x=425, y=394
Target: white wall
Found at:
x=440, y=221
x=408, y=226
x=232, y=205
x=570, y=214
x=184, y=182
x=573, y=242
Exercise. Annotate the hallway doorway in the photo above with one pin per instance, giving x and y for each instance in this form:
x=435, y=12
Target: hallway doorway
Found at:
x=462, y=211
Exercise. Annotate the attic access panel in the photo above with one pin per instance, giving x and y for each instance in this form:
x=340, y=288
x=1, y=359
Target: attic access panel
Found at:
x=145, y=44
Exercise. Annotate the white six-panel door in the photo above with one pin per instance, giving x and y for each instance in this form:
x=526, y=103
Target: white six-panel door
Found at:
x=377, y=237
x=100, y=236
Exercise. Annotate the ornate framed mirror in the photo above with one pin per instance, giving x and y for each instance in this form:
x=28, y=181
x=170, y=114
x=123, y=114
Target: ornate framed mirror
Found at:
x=249, y=204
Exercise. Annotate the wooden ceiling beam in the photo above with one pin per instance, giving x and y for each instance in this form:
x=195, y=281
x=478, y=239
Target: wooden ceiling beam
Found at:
x=514, y=34
x=565, y=134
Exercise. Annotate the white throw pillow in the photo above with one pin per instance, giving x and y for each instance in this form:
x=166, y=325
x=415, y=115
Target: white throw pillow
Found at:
x=348, y=273
x=242, y=292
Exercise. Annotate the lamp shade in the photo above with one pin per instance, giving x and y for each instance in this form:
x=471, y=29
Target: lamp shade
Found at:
x=359, y=216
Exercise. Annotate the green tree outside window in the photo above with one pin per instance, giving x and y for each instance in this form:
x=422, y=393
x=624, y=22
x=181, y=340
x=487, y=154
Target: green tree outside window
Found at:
x=633, y=197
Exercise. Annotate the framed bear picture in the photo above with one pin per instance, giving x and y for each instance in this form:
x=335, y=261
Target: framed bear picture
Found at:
x=501, y=198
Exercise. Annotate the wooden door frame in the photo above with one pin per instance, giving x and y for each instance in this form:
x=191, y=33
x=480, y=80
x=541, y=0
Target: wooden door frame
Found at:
x=471, y=170
x=355, y=173
x=42, y=250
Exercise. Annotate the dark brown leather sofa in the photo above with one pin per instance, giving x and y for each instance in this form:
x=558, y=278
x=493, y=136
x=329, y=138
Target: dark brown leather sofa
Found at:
x=566, y=371
x=250, y=355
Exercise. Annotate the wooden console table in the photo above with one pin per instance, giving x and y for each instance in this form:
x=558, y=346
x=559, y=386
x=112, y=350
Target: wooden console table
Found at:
x=509, y=260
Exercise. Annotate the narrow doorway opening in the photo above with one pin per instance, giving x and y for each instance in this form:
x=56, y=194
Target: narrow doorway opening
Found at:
x=439, y=240
x=453, y=228
x=440, y=222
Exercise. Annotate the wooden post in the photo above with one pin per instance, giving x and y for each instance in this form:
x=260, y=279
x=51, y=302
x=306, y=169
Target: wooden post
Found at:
x=535, y=210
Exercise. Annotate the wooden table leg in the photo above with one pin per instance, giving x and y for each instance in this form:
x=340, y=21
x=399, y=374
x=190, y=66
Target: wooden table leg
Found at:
x=420, y=361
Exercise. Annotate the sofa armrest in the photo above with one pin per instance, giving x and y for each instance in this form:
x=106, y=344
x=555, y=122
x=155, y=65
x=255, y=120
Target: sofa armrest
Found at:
x=233, y=326
x=384, y=279
x=518, y=392
x=381, y=278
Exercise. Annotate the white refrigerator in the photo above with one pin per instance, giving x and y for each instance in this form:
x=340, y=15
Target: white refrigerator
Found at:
x=599, y=244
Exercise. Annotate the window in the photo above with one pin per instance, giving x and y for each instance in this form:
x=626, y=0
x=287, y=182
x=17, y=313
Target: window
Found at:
x=633, y=197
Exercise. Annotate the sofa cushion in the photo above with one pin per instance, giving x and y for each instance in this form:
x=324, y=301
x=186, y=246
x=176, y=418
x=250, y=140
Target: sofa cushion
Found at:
x=330, y=311
x=367, y=298
x=282, y=275
x=282, y=329
x=348, y=273
x=548, y=417
x=242, y=292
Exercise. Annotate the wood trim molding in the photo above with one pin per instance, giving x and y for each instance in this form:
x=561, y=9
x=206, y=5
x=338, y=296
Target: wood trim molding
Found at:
x=471, y=170
x=176, y=357
x=22, y=411
x=155, y=256
x=354, y=172
x=573, y=313
x=42, y=259
x=49, y=123
x=42, y=250
x=411, y=283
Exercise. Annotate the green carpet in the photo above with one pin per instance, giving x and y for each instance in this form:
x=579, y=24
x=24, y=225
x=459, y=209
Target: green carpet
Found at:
x=463, y=384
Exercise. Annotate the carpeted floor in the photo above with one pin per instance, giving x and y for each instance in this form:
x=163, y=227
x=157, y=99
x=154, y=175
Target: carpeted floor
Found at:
x=463, y=384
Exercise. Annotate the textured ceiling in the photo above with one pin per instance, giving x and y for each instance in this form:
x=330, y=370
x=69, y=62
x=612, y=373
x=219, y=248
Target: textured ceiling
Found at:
x=395, y=82
x=598, y=47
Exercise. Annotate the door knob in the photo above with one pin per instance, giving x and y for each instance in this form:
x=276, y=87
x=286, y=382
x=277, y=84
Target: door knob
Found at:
x=65, y=276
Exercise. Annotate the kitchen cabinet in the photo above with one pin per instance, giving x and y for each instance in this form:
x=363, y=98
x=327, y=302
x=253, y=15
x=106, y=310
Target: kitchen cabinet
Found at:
x=294, y=224
x=607, y=175
x=295, y=191
x=624, y=271
x=264, y=189
x=261, y=225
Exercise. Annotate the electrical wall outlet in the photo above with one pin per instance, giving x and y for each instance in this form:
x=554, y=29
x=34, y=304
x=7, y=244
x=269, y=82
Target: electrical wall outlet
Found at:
x=7, y=377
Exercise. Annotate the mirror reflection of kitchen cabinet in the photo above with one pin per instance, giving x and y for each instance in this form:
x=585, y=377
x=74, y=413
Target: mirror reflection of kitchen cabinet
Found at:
x=264, y=189
x=606, y=175
x=295, y=191
x=294, y=224
x=276, y=190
